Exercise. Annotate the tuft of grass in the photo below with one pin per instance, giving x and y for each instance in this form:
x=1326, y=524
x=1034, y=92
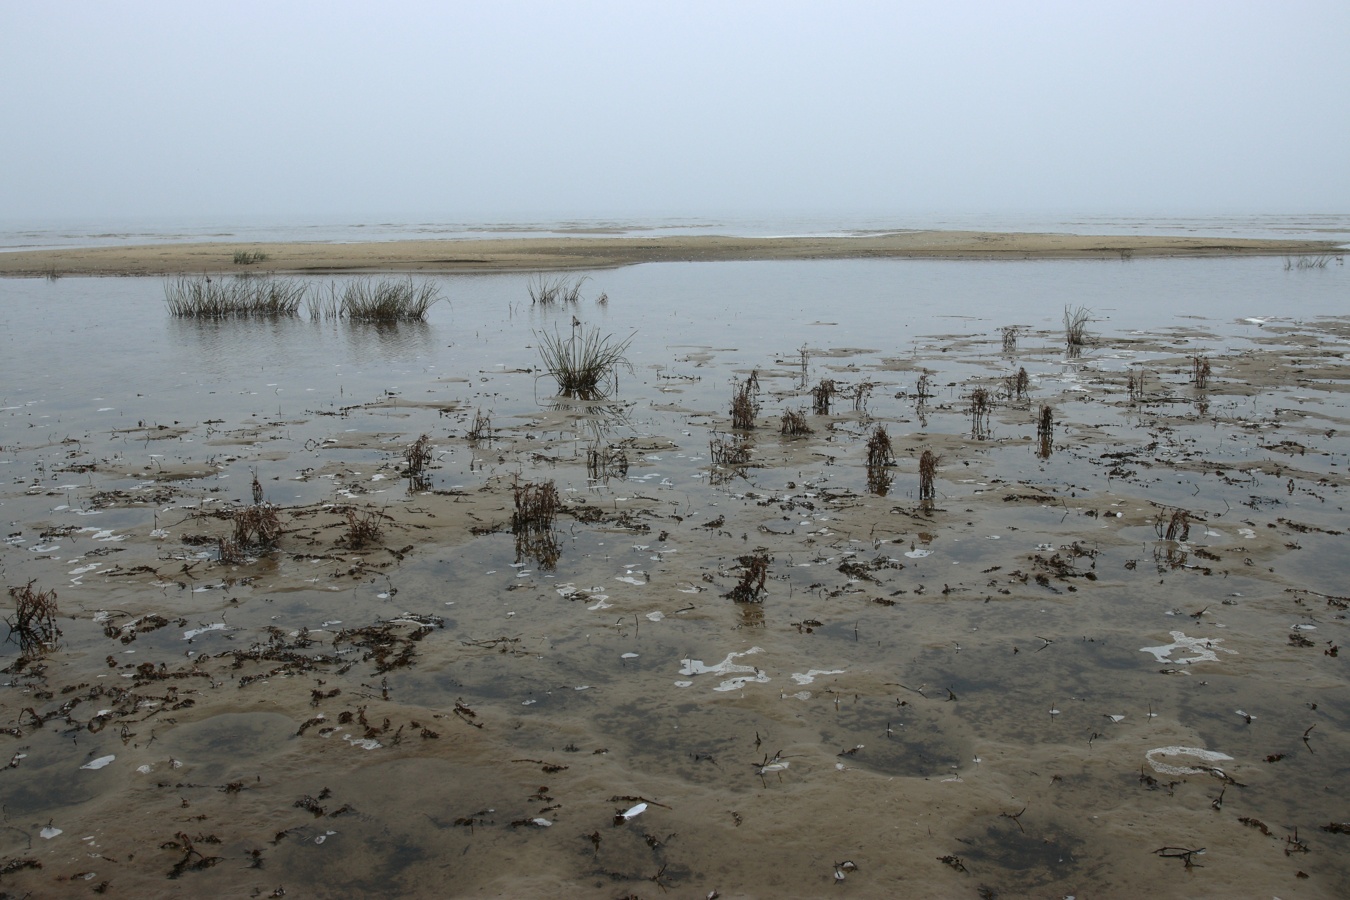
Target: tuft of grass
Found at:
x=745, y=403
x=1045, y=432
x=33, y=624
x=363, y=528
x=585, y=365
x=754, y=572
x=239, y=297
x=821, y=395
x=417, y=457
x=545, y=291
x=1200, y=371
x=249, y=257
x=367, y=300
x=1076, y=319
x=980, y=407
x=928, y=464
x=794, y=423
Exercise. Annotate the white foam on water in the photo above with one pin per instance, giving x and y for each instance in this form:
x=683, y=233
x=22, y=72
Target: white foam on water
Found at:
x=99, y=763
x=1201, y=648
x=810, y=676
x=1209, y=756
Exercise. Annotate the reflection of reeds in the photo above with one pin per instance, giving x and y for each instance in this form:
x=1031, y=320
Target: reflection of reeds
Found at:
x=750, y=589
x=979, y=413
x=604, y=463
x=1200, y=371
x=1045, y=432
x=1076, y=319
x=33, y=624
x=584, y=365
x=239, y=297
x=928, y=464
x=794, y=423
x=745, y=403
x=416, y=457
x=821, y=395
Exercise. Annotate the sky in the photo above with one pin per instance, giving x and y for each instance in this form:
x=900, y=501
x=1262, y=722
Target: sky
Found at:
x=588, y=109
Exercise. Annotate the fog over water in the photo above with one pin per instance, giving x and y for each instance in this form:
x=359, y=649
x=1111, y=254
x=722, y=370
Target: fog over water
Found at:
x=245, y=112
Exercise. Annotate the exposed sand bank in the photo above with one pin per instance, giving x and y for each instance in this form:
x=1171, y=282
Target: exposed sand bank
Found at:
x=591, y=253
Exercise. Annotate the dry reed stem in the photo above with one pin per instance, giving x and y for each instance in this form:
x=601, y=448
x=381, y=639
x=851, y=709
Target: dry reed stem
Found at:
x=750, y=589
x=794, y=423
x=1175, y=526
x=821, y=395
x=880, y=457
x=745, y=403
x=536, y=505
x=257, y=528
x=928, y=464
x=979, y=413
x=363, y=528
x=1009, y=338
x=861, y=393
x=1200, y=371
x=417, y=456
x=481, y=427
x=1045, y=432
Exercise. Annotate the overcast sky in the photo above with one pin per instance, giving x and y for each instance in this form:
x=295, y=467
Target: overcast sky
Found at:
x=499, y=109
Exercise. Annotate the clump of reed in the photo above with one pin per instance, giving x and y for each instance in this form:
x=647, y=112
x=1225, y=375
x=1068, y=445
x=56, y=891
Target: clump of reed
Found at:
x=745, y=403
x=363, y=528
x=730, y=454
x=536, y=505
x=249, y=257
x=417, y=457
x=367, y=300
x=1017, y=386
x=1200, y=371
x=754, y=572
x=1045, y=432
x=546, y=291
x=928, y=464
x=33, y=625
x=880, y=459
x=980, y=407
x=923, y=387
x=1174, y=525
x=604, y=463
x=585, y=364
x=805, y=375
x=239, y=297
x=481, y=427
x=1076, y=320
x=1009, y=333
x=1319, y=261
x=861, y=393
x=1136, y=386
x=821, y=395
x=257, y=528
x=794, y=423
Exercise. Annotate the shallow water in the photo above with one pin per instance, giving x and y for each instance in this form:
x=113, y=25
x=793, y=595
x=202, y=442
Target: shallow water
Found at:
x=952, y=700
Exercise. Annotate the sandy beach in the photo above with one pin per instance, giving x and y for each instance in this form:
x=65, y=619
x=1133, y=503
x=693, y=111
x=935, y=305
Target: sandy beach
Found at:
x=596, y=253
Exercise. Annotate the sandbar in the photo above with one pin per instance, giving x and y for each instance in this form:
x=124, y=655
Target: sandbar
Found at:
x=540, y=254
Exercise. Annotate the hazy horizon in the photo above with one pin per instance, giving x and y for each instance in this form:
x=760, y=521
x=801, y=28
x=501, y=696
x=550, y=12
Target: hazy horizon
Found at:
x=431, y=112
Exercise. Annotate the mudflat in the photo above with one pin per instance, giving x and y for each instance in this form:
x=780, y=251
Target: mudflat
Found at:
x=608, y=252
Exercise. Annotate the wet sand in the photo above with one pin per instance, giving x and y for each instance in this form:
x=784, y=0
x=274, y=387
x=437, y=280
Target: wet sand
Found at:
x=971, y=698
x=595, y=253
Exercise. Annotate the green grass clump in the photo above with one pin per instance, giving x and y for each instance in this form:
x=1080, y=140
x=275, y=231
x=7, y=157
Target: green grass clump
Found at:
x=585, y=365
x=249, y=257
x=204, y=297
x=386, y=300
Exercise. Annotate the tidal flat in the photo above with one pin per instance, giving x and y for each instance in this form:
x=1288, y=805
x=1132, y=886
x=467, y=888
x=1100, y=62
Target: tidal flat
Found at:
x=1098, y=656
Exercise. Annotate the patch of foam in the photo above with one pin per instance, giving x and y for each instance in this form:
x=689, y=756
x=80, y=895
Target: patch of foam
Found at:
x=811, y=675
x=1209, y=756
x=1202, y=648
x=99, y=763
x=727, y=667
x=193, y=632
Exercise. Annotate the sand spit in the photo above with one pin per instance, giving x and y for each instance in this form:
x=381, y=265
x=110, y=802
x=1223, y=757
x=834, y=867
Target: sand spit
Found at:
x=594, y=253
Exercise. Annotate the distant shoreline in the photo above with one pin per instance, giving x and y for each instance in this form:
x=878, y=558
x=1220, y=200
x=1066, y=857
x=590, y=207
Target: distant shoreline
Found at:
x=553, y=254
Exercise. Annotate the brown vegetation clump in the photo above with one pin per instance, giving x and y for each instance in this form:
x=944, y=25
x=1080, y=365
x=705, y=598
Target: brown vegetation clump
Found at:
x=1175, y=526
x=928, y=464
x=33, y=624
x=1136, y=387
x=1018, y=386
x=481, y=427
x=880, y=457
x=750, y=589
x=1200, y=371
x=257, y=527
x=979, y=413
x=536, y=505
x=1009, y=338
x=417, y=457
x=745, y=403
x=821, y=395
x=794, y=423
x=363, y=529
x=1045, y=432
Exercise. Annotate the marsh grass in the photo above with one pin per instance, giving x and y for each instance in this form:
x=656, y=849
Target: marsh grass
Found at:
x=928, y=464
x=363, y=528
x=33, y=625
x=861, y=394
x=604, y=463
x=754, y=573
x=242, y=296
x=368, y=300
x=794, y=423
x=1200, y=371
x=980, y=408
x=1319, y=261
x=1045, y=432
x=481, y=427
x=417, y=457
x=536, y=505
x=585, y=364
x=1076, y=320
x=745, y=403
x=1018, y=386
x=249, y=257
x=545, y=291
x=880, y=459
x=257, y=528
x=821, y=395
